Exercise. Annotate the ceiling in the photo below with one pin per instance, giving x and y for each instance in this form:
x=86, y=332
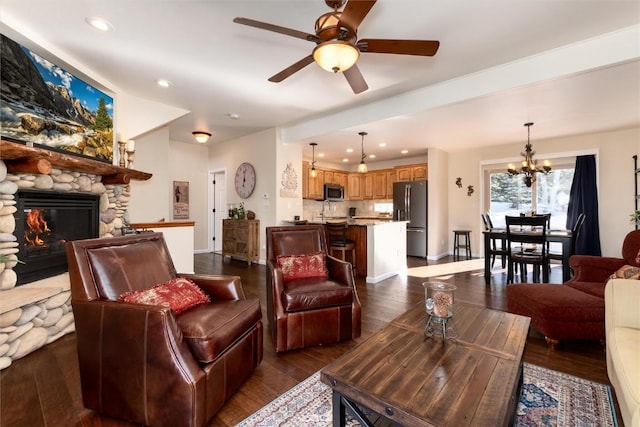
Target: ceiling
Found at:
x=501, y=63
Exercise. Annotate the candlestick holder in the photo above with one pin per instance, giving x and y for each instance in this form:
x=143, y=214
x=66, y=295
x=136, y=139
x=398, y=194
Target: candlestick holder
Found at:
x=122, y=146
x=130, y=154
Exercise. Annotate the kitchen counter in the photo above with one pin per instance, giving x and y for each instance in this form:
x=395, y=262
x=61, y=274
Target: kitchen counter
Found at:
x=381, y=245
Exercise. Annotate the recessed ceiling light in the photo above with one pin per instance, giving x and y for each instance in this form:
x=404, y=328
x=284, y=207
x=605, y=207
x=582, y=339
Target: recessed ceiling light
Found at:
x=349, y=150
x=233, y=116
x=382, y=144
x=372, y=156
x=404, y=151
x=163, y=82
x=320, y=154
x=99, y=23
x=345, y=160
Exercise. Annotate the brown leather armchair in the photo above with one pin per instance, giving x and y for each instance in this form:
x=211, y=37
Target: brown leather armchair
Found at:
x=312, y=310
x=143, y=363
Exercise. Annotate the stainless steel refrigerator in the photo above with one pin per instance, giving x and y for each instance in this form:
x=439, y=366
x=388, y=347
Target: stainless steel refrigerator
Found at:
x=410, y=204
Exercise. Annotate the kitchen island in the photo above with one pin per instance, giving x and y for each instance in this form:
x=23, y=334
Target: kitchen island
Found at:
x=381, y=246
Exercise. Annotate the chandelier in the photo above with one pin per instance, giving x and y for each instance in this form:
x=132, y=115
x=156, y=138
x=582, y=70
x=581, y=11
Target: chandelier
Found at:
x=529, y=170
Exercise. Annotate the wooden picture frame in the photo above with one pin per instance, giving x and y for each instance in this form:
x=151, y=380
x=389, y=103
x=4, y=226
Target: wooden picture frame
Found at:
x=180, y=199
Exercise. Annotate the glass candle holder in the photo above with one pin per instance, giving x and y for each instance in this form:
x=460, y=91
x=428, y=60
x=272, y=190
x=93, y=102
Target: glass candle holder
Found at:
x=438, y=299
x=438, y=302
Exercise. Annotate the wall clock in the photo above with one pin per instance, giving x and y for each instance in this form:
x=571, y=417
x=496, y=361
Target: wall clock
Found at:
x=245, y=180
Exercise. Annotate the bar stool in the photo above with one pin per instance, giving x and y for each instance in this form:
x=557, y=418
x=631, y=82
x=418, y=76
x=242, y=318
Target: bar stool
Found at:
x=337, y=233
x=457, y=243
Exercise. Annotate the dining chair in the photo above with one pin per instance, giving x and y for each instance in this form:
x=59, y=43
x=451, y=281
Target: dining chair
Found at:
x=527, y=245
x=498, y=245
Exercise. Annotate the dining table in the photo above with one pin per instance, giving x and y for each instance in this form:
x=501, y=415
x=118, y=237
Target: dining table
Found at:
x=553, y=236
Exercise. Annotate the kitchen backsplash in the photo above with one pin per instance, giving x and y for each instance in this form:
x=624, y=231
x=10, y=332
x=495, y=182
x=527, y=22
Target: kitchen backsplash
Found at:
x=311, y=209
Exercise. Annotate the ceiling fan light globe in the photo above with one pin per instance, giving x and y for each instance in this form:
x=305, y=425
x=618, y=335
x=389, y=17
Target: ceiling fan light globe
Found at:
x=330, y=19
x=335, y=56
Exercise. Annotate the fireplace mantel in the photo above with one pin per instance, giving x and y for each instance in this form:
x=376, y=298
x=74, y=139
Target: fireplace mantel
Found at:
x=20, y=158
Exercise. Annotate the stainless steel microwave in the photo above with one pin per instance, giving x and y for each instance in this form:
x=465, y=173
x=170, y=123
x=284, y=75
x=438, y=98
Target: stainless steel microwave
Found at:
x=333, y=192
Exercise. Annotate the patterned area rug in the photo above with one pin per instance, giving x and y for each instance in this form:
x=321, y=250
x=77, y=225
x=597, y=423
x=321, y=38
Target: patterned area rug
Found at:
x=549, y=398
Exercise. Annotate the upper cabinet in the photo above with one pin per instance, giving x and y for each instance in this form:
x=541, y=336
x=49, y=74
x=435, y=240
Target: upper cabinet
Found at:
x=316, y=185
x=411, y=173
x=355, y=187
x=373, y=185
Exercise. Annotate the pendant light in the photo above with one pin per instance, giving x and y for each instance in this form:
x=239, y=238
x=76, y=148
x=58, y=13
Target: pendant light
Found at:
x=314, y=172
x=362, y=167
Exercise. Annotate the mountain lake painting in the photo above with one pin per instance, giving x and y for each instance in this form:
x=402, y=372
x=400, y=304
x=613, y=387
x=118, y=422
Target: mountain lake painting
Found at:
x=44, y=105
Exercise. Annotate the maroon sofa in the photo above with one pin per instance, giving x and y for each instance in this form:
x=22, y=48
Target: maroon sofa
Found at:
x=573, y=310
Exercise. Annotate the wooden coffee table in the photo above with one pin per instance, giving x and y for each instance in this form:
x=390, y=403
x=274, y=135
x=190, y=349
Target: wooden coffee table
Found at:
x=412, y=380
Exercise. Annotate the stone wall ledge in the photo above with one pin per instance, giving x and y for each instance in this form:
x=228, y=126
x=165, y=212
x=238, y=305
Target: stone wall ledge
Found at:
x=33, y=292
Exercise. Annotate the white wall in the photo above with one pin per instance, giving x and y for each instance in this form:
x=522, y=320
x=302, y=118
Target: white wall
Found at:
x=189, y=162
x=151, y=199
x=287, y=207
x=438, y=197
x=259, y=149
x=616, y=185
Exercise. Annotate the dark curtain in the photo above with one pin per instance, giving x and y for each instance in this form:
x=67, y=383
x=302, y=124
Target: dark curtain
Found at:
x=584, y=199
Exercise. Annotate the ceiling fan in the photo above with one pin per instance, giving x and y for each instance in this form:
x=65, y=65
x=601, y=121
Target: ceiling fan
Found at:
x=337, y=45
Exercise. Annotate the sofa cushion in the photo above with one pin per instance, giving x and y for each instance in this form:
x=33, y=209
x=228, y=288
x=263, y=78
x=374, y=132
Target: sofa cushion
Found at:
x=622, y=348
x=313, y=293
x=626, y=272
x=558, y=311
x=180, y=294
x=301, y=266
x=595, y=289
x=212, y=328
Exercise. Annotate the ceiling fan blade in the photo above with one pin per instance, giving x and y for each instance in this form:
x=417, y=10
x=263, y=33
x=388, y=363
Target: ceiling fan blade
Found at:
x=354, y=12
x=355, y=79
x=277, y=29
x=294, y=68
x=399, y=47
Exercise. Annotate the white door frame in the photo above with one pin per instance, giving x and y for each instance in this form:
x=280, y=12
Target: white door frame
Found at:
x=216, y=213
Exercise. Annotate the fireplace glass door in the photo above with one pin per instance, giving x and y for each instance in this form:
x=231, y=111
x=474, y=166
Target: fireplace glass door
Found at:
x=45, y=221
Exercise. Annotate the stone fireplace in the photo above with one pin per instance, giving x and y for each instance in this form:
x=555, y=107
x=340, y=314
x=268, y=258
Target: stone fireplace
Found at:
x=36, y=310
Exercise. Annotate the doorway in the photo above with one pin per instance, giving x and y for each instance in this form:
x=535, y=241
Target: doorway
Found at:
x=217, y=208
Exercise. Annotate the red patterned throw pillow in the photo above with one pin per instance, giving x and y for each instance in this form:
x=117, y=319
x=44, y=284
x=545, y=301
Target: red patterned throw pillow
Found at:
x=301, y=266
x=626, y=272
x=180, y=294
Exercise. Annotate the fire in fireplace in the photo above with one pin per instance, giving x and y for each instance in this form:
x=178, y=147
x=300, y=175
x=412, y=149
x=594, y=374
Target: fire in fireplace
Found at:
x=45, y=221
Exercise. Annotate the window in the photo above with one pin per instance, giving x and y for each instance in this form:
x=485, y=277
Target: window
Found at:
x=508, y=195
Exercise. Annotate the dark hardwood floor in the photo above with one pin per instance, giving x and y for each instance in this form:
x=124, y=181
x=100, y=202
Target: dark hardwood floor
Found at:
x=43, y=388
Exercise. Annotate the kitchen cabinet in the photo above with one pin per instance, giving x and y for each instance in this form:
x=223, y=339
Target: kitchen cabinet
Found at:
x=355, y=186
x=411, y=173
x=306, y=168
x=241, y=239
x=316, y=185
x=391, y=178
x=358, y=235
x=328, y=177
x=366, y=182
x=380, y=184
x=340, y=178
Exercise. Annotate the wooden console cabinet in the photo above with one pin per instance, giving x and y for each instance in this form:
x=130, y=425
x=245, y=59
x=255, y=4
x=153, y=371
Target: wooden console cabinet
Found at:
x=241, y=239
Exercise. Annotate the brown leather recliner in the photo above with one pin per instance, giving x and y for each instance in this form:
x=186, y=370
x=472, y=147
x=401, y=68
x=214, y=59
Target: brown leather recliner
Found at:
x=312, y=310
x=138, y=362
